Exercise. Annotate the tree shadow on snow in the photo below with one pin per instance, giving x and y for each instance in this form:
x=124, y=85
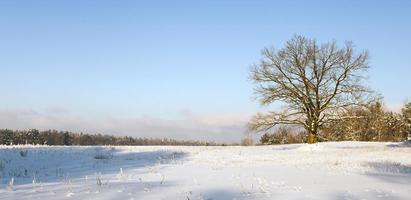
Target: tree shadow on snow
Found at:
x=406, y=144
x=391, y=172
x=287, y=147
x=51, y=164
x=223, y=194
x=368, y=195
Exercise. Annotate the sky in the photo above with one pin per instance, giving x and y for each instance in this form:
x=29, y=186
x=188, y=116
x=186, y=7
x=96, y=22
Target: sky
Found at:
x=175, y=69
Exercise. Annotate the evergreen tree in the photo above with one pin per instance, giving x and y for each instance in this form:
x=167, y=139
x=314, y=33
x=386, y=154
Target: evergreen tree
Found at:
x=406, y=115
x=67, y=139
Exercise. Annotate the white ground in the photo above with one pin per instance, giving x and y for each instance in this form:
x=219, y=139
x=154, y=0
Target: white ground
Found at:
x=346, y=170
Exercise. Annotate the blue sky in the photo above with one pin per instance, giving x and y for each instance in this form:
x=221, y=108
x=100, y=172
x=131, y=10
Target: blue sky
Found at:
x=85, y=66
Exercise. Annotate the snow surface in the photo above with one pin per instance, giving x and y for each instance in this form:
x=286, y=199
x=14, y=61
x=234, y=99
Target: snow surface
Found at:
x=336, y=170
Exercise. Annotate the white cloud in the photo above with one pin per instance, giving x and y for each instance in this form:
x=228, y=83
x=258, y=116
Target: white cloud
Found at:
x=222, y=127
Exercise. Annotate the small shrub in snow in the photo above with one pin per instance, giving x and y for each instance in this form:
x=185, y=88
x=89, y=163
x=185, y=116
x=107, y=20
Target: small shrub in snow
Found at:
x=283, y=135
x=2, y=165
x=23, y=153
x=248, y=141
x=103, y=155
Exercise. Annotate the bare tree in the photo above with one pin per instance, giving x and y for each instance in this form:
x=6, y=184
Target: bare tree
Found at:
x=316, y=83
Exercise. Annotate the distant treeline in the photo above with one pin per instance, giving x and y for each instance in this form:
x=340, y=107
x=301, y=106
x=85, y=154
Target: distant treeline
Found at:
x=54, y=137
x=371, y=123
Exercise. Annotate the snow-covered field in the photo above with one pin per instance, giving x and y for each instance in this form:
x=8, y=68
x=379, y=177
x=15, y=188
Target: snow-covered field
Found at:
x=344, y=170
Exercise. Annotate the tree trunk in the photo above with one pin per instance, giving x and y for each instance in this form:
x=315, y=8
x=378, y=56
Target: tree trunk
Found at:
x=312, y=137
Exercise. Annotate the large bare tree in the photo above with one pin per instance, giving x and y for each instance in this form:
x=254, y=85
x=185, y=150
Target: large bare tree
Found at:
x=317, y=82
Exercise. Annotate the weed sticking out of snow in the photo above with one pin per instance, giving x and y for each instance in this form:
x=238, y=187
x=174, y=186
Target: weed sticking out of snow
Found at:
x=162, y=179
x=10, y=184
x=68, y=186
x=35, y=183
x=99, y=182
x=121, y=175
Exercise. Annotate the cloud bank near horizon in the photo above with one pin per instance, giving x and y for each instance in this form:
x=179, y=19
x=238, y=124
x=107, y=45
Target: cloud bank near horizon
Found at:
x=220, y=127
